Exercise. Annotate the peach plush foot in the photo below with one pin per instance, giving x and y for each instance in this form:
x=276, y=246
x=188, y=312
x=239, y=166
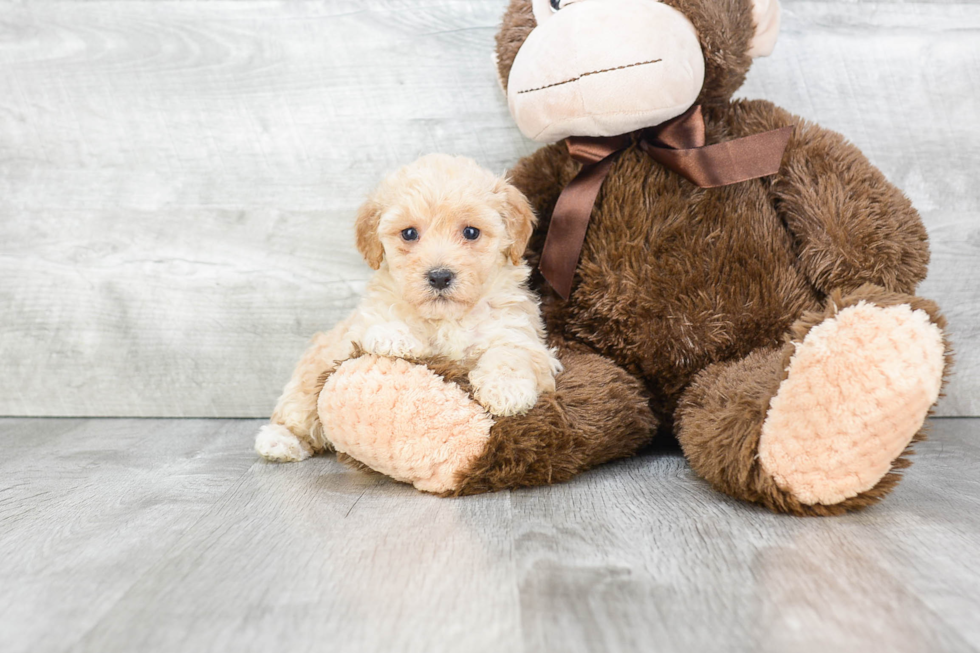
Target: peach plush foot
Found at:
x=403, y=420
x=858, y=389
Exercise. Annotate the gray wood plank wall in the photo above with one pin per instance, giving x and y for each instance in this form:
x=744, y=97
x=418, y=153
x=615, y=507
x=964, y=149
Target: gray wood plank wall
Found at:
x=177, y=179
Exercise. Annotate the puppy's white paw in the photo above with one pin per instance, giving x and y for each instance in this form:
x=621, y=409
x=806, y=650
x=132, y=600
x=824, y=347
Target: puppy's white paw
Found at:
x=392, y=339
x=277, y=443
x=505, y=395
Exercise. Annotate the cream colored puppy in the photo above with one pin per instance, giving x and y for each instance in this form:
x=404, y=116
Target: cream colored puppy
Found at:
x=446, y=238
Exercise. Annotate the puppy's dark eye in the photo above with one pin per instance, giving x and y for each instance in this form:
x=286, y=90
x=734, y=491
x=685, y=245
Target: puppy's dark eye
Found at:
x=471, y=233
x=410, y=234
x=555, y=5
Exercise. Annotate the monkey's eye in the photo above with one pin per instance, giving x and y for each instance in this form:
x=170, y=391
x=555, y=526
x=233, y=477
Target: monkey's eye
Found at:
x=410, y=234
x=471, y=233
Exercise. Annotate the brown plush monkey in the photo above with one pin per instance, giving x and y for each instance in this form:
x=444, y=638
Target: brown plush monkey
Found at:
x=768, y=321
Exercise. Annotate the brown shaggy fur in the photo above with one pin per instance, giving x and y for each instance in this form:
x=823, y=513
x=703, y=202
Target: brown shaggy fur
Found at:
x=517, y=24
x=597, y=413
x=695, y=291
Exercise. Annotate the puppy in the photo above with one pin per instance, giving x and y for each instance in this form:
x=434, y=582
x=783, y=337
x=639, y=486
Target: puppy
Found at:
x=446, y=238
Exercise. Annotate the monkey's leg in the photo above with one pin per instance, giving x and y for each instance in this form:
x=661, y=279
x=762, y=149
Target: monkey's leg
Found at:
x=597, y=413
x=821, y=425
x=419, y=424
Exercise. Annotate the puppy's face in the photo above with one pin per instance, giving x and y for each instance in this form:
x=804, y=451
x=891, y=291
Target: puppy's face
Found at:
x=445, y=227
x=442, y=253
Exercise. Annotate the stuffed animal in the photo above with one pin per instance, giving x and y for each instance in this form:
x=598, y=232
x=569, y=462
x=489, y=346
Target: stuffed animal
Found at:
x=717, y=270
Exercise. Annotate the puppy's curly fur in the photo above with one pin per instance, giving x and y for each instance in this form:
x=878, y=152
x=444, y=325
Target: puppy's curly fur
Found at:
x=447, y=239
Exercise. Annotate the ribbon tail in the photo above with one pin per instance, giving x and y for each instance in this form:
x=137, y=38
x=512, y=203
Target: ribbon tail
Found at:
x=569, y=222
x=729, y=162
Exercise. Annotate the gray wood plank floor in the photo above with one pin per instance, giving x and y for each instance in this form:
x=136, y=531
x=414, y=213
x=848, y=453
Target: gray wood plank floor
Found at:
x=169, y=535
x=178, y=179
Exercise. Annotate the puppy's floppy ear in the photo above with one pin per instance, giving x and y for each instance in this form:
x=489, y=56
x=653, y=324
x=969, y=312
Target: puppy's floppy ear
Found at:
x=366, y=233
x=519, y=220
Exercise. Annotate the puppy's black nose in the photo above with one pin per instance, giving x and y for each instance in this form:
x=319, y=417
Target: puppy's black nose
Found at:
x=441, y=278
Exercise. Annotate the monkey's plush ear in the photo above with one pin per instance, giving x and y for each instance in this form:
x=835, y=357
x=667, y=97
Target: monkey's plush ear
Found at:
x=519, y=220
x=765, y=15
x=366, y=233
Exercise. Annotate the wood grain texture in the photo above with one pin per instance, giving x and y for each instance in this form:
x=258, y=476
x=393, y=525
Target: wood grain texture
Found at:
x=87, y=507
x=169, y=535
x=177, y=179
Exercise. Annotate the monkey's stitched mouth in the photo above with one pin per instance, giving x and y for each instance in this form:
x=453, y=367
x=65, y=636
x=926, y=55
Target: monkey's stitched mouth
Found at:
x=594, y=72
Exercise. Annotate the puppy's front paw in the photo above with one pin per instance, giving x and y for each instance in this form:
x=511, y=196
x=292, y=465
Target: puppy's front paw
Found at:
x=392, y=339
x=277, y=443
x=505, y=395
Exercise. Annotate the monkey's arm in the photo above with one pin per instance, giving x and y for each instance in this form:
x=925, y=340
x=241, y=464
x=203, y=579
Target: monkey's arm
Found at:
x=850, y=224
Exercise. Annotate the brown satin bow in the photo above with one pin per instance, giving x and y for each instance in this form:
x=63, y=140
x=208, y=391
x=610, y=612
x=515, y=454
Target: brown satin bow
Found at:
x=679, y=145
